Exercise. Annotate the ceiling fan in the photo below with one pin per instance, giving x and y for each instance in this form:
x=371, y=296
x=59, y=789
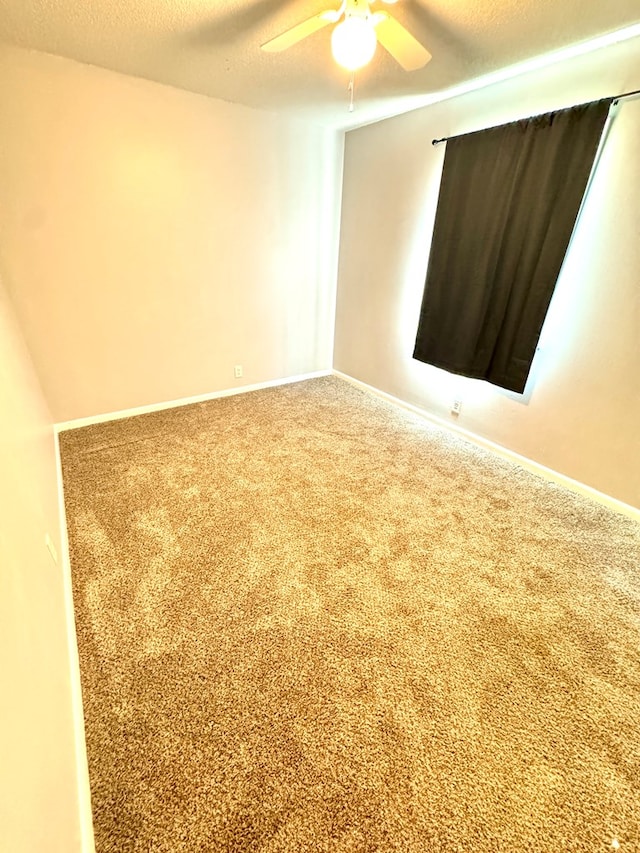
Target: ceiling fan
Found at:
x=355, y=37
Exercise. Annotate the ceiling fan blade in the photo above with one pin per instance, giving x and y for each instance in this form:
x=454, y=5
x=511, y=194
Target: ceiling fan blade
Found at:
x=301, y=31
x=399, y=42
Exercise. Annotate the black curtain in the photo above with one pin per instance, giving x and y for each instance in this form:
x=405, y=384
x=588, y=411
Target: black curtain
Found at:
x=508, y=203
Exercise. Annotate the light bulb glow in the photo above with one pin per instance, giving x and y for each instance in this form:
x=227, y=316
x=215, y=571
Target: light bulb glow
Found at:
x=353, y=43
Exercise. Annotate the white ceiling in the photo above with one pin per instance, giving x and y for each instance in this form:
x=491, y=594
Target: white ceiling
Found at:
x=213, y=46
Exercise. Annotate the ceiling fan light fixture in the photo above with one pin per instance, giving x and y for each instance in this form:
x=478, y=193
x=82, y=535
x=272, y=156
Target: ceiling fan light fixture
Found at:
x=353, y=42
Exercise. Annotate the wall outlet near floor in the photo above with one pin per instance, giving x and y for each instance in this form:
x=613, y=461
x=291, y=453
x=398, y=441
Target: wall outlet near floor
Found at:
x=51, y=548
x=456, y=406
x=237, y=371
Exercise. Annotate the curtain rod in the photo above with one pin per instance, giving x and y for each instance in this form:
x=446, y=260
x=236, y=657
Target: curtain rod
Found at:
x=614, y=101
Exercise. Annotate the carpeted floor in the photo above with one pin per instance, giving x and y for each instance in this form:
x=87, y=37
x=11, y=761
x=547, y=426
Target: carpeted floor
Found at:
x=310, y=622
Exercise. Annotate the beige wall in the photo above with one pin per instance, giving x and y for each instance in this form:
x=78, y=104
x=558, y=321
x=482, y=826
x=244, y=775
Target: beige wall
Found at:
x=152, y=239
x=583, y=416
x=39, y=806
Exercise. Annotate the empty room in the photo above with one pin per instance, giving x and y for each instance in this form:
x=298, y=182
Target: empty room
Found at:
x=319, y=426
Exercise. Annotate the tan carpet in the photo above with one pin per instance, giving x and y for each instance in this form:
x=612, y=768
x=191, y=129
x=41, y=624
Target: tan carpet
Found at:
x=310, y=622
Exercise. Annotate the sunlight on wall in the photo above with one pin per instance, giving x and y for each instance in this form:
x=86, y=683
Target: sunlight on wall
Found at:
x=566, y=317
x=415, y=265
x=447, y=387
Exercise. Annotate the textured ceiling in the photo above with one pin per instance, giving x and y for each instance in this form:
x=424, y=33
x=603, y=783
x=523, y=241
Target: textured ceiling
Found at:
x=213, y=46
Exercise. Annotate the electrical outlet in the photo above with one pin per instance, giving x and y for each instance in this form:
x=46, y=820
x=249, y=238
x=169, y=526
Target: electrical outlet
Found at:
x=51, y=548
x=237, y=371
x=456, y=406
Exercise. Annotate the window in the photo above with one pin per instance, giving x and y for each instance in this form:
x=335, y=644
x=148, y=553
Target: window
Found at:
x=509, y=199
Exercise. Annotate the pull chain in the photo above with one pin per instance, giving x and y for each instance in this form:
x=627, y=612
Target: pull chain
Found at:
x=350, y=90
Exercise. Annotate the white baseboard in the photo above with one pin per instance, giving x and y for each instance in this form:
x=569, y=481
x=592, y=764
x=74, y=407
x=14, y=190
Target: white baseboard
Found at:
x=184, y=401
x=524, y=462
x=87, y=842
